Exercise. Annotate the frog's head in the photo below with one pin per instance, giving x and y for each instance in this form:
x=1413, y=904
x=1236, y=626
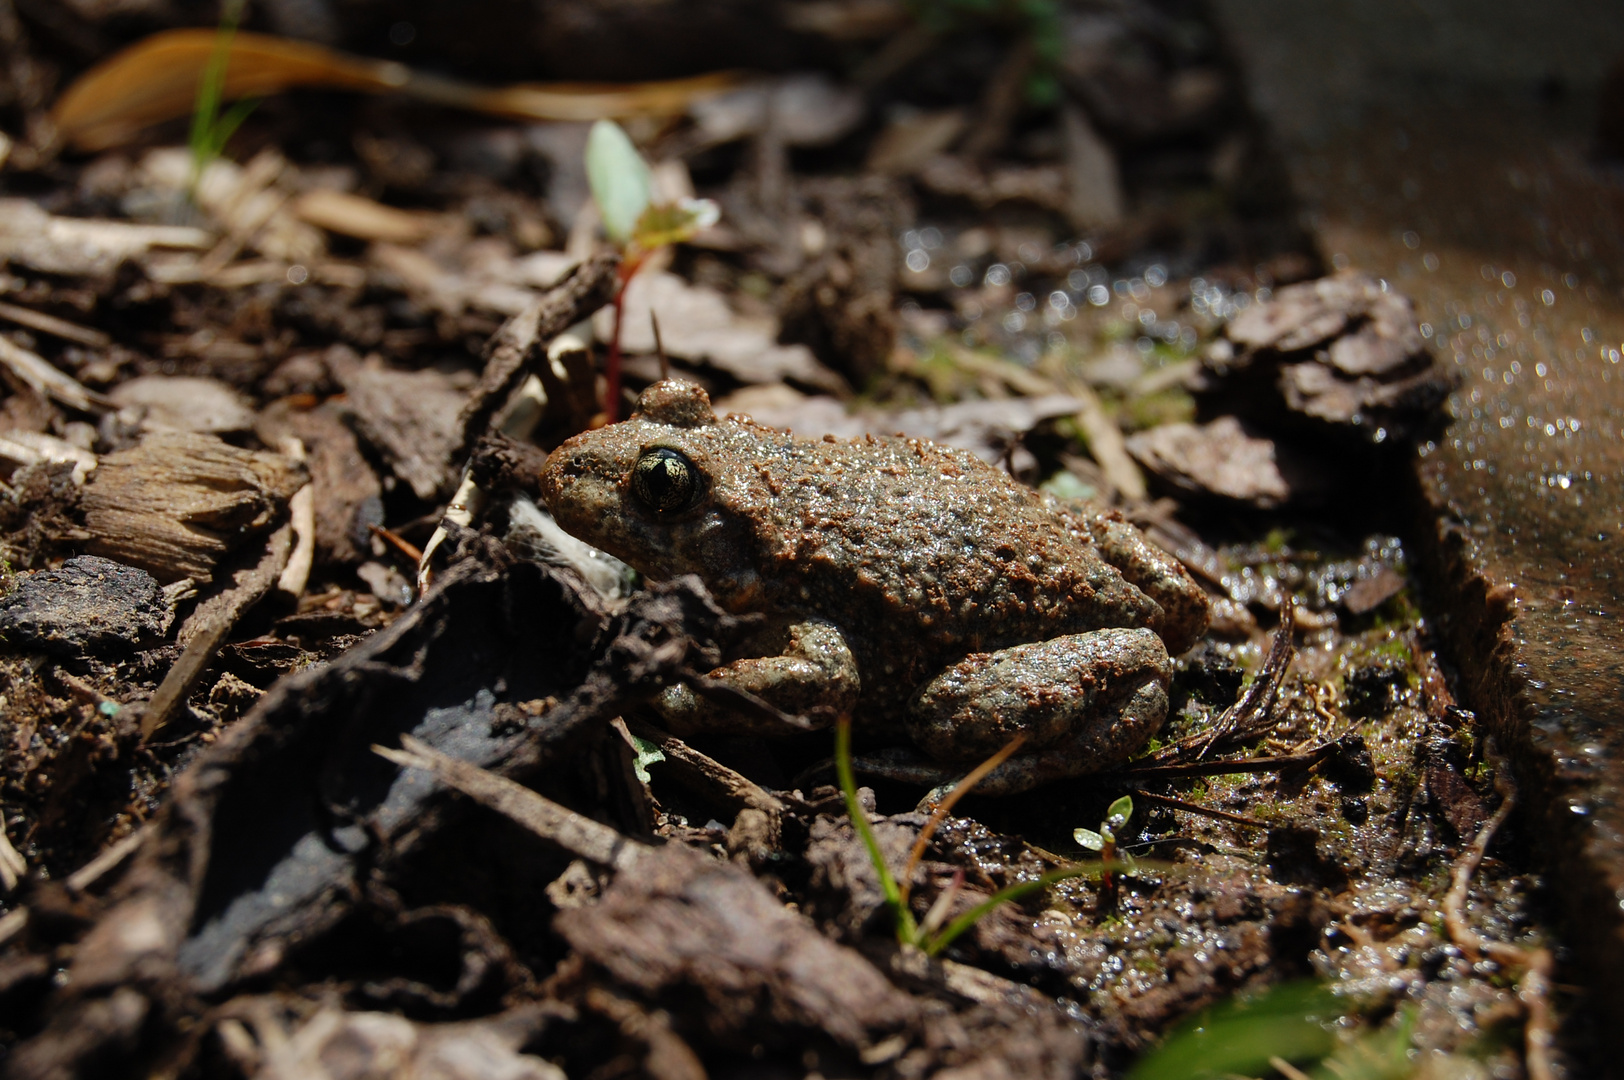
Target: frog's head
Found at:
x=652, y=491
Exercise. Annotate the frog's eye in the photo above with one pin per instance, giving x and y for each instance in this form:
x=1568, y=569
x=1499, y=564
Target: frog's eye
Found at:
x=665, y=481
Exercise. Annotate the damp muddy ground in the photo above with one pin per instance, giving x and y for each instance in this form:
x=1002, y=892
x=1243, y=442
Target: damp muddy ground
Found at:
x=284, y=795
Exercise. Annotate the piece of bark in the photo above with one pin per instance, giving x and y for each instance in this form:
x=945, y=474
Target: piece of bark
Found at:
x=907, y=143
x=698, y=935
x=1368, y=594
x=1223, y=459
x=1344, y=351
x=87, y=606
x=697, y=325
x=347, y=493
x=409, y=416
x=842, y=302
x=82, y=246
x=177, y=502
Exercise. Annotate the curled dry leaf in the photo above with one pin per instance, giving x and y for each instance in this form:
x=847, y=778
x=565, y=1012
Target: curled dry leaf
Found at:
x=365, y=219
x=156, y=80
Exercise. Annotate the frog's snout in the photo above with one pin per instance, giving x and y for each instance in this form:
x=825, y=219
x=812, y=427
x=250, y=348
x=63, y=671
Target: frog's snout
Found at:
x=569, y=484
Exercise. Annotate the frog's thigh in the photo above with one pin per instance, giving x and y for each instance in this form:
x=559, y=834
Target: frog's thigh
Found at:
x=1092, y=699
x=815, y=677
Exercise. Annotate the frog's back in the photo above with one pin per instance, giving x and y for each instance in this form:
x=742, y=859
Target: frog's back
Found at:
x=921, y=550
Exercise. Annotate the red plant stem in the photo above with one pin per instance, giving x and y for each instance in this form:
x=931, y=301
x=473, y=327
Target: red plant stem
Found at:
x=611, y=366
x=1108, y=890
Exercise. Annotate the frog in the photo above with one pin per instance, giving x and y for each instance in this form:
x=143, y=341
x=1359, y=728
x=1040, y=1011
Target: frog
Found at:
x=906, y=583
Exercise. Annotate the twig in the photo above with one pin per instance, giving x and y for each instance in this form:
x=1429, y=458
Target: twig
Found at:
x=960, y=790
x=302, y=516
x=1534, y=988
x=611, y=364
x=207, y=629
x=524, y=337
x=1199, y=810
x=93, y=871
x=13, y=923
x=659, y=346
x=394, y=540
x=50, y=324
x=1286, y=1068
x=1105, y=443
x=707, y=774
x=48, y=381
x=1255, y=708
x=721, y=692
x=1183, y=770
x=12, y=865
x=575, y=833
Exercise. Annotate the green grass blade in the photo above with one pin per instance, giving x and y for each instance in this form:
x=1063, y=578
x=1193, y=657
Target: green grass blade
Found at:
x=1293, y=1021
x=1015, y=892
x=907, y=931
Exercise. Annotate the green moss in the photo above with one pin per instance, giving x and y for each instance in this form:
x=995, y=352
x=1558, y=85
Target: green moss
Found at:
x=1167, y=407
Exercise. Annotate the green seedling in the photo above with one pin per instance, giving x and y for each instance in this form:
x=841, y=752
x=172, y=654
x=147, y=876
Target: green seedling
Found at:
x=1104, y=842
x=930, y=936
x=623, y=188
x=210, y=130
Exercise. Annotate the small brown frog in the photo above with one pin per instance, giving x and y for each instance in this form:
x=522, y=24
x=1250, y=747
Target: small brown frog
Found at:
x=909, y=583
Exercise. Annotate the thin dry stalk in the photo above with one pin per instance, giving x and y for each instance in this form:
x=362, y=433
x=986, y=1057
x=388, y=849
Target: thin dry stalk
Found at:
x=1254, y=712
x=558, y=825
x=1199, y=810
x=960, y=790
x=1534, y=988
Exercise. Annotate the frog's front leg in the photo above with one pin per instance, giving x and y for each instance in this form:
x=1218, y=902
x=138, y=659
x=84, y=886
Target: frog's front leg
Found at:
x=813, y=675
x=1085, y=702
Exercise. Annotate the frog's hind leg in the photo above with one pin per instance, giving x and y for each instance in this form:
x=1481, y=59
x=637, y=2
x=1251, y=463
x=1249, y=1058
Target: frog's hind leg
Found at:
x=1085, y=703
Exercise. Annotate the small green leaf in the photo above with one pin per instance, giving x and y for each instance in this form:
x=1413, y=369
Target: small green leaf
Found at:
x=620, y=179
x=1089, y=839
x=1119, y=812
x=663, y=225
x=647, y=754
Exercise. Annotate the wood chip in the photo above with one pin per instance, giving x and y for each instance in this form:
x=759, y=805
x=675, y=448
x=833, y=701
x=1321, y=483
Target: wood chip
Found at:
x=179, y=501
x=1368, y=594
x=1094, y=198
x=346, y=492
x=185, y=403
x=82, y=246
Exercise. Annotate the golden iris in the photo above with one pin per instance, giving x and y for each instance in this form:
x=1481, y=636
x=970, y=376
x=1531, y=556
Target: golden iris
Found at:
x=665, y=480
